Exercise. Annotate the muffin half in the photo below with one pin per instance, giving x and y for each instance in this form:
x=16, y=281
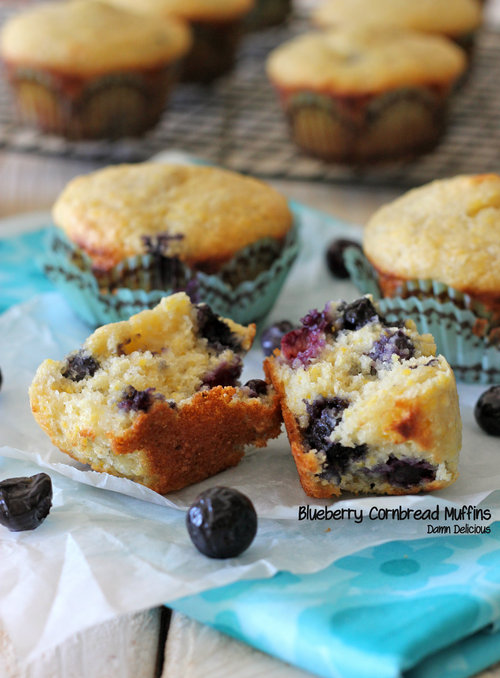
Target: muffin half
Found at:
x=157, y=398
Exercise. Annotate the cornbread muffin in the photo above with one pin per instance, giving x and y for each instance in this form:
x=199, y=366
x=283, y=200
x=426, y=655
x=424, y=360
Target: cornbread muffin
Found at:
x=216, y=27
x=447, y=231
x=85, y=69
x=356, y=94
x=457, y=20
x=368, y=406
x=156, y=398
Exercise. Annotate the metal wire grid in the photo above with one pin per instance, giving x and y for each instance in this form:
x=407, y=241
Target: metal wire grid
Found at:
x=237, y=123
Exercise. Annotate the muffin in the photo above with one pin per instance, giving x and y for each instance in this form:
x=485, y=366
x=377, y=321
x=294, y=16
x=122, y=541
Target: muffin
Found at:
x=434, y=254
x=367, y=404
x=216, y=26
x=84, y=69
x=268, y=13
x=156, y=399
x=457, y=20
x=156, y=228
x=362, y=94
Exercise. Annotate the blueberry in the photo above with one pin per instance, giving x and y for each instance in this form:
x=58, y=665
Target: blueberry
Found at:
x=135, y=401
x=487, y=411
x=222, y=522
x=359, y=313
x=392, y=343
x=215, y=330
x=225, y=374
x=80, y=365
x=302, y=344
x=335, y=256
x=406, y=473
x=271, y=337
x=257, y=387
x=324, y=415
x=1, y=379
x=25, y=502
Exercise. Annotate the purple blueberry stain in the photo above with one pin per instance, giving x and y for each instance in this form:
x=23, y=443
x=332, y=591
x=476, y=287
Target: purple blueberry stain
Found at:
x=302, y=345
x=80, y=365
x=225, y=374
x=133, y=400
x=256, y=387
x=359, y=313
x=406, y=472
x=392, y=343
x=217, y=333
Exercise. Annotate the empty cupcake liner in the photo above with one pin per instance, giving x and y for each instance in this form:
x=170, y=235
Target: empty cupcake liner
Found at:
x=462, y=328
x=140, y=282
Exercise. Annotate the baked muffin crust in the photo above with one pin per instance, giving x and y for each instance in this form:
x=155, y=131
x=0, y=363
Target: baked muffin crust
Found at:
x=86, y=38
x=215, y=212
x=356, y=60
x=431, y=16
x=448, y=230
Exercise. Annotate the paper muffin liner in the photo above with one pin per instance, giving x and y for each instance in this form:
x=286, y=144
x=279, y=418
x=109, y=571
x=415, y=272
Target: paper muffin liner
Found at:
x=140, y=282
x=109, y=106
x=393, y=124
x=463, y=329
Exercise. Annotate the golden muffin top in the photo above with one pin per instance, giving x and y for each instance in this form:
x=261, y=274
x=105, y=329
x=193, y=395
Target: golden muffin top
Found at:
x=86, y=37
x=362, y=60
x=215, y=212
x=191, y=10
x=448, y=17
x=448, y=230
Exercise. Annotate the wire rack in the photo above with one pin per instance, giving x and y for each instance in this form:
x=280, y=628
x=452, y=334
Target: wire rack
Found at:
x=237, y=123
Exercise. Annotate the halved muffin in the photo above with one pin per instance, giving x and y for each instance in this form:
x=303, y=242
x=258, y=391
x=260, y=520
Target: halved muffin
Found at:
x=157, y=398
x=368, y=406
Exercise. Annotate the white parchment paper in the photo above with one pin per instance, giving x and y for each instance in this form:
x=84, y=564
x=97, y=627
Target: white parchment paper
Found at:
x=111, y=546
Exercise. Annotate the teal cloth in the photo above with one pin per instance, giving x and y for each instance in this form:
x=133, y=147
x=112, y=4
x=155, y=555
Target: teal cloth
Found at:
x=428, y=608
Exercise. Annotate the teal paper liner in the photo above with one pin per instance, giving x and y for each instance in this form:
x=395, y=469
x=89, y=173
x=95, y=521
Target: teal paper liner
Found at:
x=449, y=315
x=103, y=300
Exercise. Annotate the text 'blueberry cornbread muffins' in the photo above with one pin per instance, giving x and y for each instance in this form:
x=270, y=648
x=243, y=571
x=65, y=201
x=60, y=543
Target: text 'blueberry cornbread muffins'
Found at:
x=368, y=406
x=457, y=20
x=85, y=69
x=157, y=398
x=361, y=94
x=227, y=239
x=216, y=26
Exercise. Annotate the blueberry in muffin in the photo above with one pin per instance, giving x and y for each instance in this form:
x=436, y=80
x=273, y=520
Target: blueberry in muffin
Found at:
x=157, y=398
x=368, y=406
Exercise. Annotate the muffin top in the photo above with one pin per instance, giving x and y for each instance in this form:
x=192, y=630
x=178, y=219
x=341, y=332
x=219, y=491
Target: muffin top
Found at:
x=452, y=18
x=208, y=213
x=448, y=230
x=191, y=10
x=363, y=60
x=86, y=37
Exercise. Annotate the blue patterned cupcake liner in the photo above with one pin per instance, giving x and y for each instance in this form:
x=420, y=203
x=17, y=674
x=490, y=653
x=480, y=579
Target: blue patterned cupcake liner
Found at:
x=244, y=289
x=463, y=329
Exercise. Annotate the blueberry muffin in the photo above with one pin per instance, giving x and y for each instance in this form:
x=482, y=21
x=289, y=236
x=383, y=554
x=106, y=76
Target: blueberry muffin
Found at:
x=358, y=94
x=457, y=20
x=85, y=69
x=156, y=398
x=447, y=231
x=227, y=239
x=368, y=406
x=216, y=26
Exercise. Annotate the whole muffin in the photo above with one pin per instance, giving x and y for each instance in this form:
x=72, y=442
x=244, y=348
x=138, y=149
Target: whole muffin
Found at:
x=457, y=20
x=216, y=26
x=226, y=238
x=357, y=94
x=84, y=69
x=434, y=255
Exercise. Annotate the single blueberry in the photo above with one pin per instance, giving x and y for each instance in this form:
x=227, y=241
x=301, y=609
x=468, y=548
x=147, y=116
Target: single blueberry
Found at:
x=225, y=374
x=25, y=502
x=271, y=337
x=80, y=365
x=392, y=343
x=222, y=522
x=406, y=472
x=359, y=313
x=215, y=330
x=257, y=387
x=487, y=411
x=133, y=400
x=335, y=256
